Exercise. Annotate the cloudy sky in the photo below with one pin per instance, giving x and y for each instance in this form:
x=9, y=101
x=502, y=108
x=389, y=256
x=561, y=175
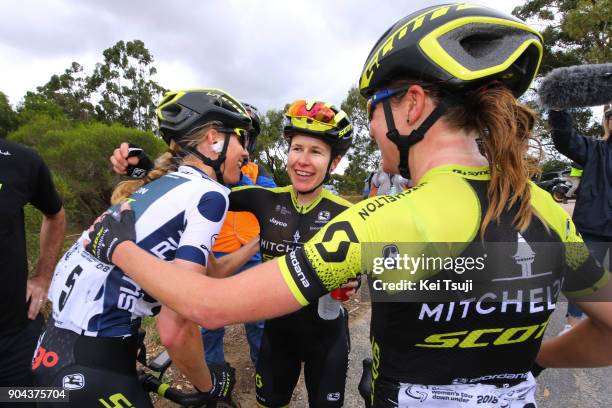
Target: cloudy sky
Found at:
x=264, y=52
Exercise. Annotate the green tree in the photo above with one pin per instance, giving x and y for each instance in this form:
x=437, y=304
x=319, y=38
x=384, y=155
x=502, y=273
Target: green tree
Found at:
x=363, y=156
x=8, y=117
x=77, y=155
x=272, y=147
x=575, y=32
x=70, y=92
x=128, y=94
x=35, y=105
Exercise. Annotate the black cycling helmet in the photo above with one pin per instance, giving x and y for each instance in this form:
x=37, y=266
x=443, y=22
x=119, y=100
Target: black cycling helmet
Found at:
x=457, y=46
x=255, y=129
x=181, y=112
x=321, y=120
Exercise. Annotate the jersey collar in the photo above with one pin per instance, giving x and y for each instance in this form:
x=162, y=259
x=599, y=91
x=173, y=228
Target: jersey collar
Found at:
x=303, y=209
x=473, y=173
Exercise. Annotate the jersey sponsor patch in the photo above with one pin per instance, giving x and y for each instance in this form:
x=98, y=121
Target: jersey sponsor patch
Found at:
x=73, y=381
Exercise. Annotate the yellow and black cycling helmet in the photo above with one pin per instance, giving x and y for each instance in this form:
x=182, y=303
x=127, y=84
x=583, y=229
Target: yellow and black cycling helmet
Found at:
x=179, y=112
x=457, y=46
x=321, y=120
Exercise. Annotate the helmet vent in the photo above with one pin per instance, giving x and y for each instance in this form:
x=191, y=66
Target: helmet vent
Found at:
x=479, y=45
x=172, y=110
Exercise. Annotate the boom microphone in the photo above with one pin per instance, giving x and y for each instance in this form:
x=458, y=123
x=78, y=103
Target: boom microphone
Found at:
x=576, y=86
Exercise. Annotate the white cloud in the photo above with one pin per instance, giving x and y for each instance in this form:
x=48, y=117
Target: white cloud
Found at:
x=265, y=52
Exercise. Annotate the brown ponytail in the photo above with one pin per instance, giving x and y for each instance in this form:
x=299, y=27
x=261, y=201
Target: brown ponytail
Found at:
x=164, y=164
x=504, y=126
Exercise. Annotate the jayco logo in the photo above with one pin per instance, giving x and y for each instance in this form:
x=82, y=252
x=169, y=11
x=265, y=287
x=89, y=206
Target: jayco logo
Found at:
x=277, y=222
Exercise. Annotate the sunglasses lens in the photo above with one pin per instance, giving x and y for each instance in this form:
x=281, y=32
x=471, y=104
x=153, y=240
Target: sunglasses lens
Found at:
x=317, y=111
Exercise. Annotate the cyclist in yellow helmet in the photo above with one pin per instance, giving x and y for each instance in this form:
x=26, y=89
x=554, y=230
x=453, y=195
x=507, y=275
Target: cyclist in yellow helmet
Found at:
x=318, y=134
x=91, y=340
x=442, y=85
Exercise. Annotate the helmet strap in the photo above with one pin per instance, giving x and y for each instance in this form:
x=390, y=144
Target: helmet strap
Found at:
x=405, y=142
x=215, y=164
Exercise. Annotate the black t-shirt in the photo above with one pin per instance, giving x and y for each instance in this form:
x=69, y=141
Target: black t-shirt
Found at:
x=24, y=178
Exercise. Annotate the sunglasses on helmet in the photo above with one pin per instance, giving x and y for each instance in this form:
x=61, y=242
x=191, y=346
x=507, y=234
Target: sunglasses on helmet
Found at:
x=381, y=96
x=243, y=134
x=317, y=111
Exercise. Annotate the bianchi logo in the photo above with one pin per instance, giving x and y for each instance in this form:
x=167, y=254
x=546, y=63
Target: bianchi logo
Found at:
x=333, y=396
x=73, y=381
x=277, y=222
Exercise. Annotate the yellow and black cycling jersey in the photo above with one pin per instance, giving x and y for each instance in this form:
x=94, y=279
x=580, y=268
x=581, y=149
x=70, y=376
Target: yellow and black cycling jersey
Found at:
x=477, y=312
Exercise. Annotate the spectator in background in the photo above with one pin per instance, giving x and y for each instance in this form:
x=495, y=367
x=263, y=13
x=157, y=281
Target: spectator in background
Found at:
x=574, y=177
x=238, y=229
x=367, y=184
x=384, y=183
x=593, y=210
x=24, y=178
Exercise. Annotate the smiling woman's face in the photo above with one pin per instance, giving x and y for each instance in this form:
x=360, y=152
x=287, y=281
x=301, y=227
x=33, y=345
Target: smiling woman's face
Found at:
x=307, y=161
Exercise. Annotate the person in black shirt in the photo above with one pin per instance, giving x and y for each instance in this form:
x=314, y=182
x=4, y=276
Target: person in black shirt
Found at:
x=24, y=178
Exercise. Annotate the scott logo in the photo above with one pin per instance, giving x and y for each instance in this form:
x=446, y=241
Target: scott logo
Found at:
x=46, y=358
x=339, y=255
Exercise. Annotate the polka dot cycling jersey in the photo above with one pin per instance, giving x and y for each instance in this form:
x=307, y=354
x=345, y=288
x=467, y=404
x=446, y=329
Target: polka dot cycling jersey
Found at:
x=178, y=216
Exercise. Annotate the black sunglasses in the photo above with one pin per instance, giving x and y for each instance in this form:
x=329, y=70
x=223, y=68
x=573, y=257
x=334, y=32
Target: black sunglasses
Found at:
x=243, y=134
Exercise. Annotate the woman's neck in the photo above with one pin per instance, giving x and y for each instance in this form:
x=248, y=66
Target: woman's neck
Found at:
x=444, y=147
x=305, y=199
x=192, y=161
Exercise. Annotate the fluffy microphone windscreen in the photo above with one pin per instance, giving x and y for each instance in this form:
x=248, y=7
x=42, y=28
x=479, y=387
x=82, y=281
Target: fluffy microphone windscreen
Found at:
x=576, y=86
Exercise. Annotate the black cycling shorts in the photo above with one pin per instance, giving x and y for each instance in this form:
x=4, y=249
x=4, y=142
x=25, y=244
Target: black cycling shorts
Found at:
x=324, y=349
x=96, y=371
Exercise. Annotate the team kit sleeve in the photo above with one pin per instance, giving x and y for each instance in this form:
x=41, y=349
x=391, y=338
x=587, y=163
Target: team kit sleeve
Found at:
x=335, y=254
x=246, y=198
x=584, y=276
x=203, y=222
